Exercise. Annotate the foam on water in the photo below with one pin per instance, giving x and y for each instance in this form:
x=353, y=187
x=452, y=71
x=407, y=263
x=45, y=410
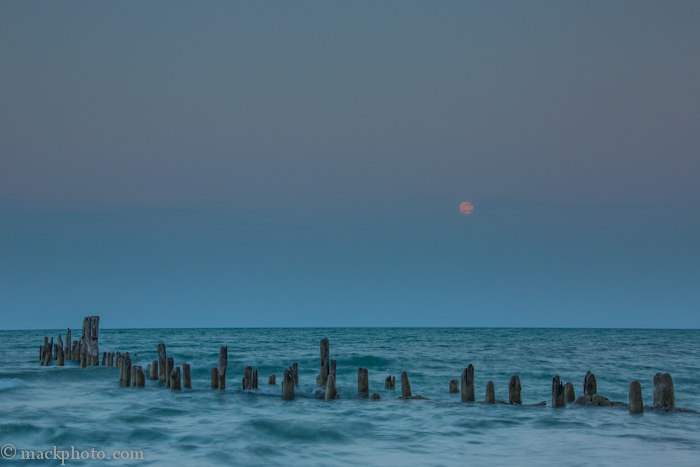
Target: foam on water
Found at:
x=46, y=406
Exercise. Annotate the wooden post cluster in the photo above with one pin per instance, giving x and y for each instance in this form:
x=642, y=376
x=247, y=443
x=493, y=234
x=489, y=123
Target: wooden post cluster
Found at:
x=390, y=382
x=250, y=378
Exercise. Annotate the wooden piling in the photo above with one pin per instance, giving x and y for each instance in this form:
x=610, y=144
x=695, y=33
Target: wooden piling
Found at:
x=287, y=386
x=174, y=380
x=295, y=373
x=362, y=382
x=332, y=371
x=248, y=382
x=89, y=341
x=154, y=371
x=104, y=358
x=59, y=346
x=331, y=392
x=405, y=386
x=664, y=395
x=214, y=378
x=126, y=372
x=325, y=364
x=61, y=357
x=272, y=380
x=558, y=398
x=186, y=376
x=514, y=389
x=569, y=393
x=162, y=363
x=223, y=364
x=169, y=367
x=635, y=394
x=468, y=384
x=41, y=354
x=590, y=387
x=490, y=393
x=454, y=386
x=68, y=347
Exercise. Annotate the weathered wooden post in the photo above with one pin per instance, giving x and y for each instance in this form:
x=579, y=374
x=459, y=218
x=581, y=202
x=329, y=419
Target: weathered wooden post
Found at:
x=330, y=388
x=59, y=346
x=135, y=376
x=590, y=387
x=141, y=379
x=154, y=371
x=41, y=354
x=54, y=349
x=186, y=376
x=223, y=364
x=272, y=380
x=295, y=373
x=390, y=382
x=664, y=396
x=68, y=348
x=61, y=357
x=169, y=367
x=89, y=340
x=332, y=371
x=569, y=393
x=362, y=382
x=636, y=403
x=162, y=364
x=468, y=384
x=248, y=377
x=454, y=386
x=174, y=378
x=405, y=386
x=490, y=393
x=50, y=352
x=110, y=359
x=287, y=386
x=325, y=364
x=514, y=389
x=75, y=351
x=558, y=399
x=104, y=358
x=214, y=378
x=126, y=373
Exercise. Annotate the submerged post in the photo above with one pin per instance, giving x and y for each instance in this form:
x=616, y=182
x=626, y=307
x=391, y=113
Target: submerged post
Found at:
x=405, y=386
x=330, y=388
x=490, y=393
x=569, y=393
x=287, y=386
x=162, y=363
x=468, y=384
x=186, y=376
x=558, y=399
x=514, y=389
x=664, y=396
x=223, y=364
x=362, y=382
x=272, y=380
x=636, y=403
x=154, y=371
x=454, y=386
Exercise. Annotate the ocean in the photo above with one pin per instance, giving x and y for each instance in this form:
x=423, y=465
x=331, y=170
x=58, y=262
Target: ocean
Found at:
x=84, y=409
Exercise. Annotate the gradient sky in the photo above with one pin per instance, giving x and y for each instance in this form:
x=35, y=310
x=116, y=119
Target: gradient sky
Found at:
x=170, y=164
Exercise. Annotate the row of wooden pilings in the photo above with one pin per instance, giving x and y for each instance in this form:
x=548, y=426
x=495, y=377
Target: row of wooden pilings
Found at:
x=175, y=378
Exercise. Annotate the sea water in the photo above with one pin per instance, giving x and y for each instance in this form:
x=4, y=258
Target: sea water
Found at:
x=42, y=407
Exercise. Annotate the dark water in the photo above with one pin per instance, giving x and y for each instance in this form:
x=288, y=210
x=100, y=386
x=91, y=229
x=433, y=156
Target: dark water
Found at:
x=42, y=407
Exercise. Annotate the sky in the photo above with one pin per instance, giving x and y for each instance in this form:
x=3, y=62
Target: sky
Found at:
x=265, y=164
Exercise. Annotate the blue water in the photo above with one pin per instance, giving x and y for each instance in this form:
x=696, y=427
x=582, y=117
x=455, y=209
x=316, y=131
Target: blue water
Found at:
x=42, y=407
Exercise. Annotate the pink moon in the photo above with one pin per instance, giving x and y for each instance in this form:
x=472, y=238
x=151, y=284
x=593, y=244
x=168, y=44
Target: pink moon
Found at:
x=466, y=208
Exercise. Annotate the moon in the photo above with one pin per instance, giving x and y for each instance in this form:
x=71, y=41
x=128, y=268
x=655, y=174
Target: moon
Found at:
x=466, y=208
